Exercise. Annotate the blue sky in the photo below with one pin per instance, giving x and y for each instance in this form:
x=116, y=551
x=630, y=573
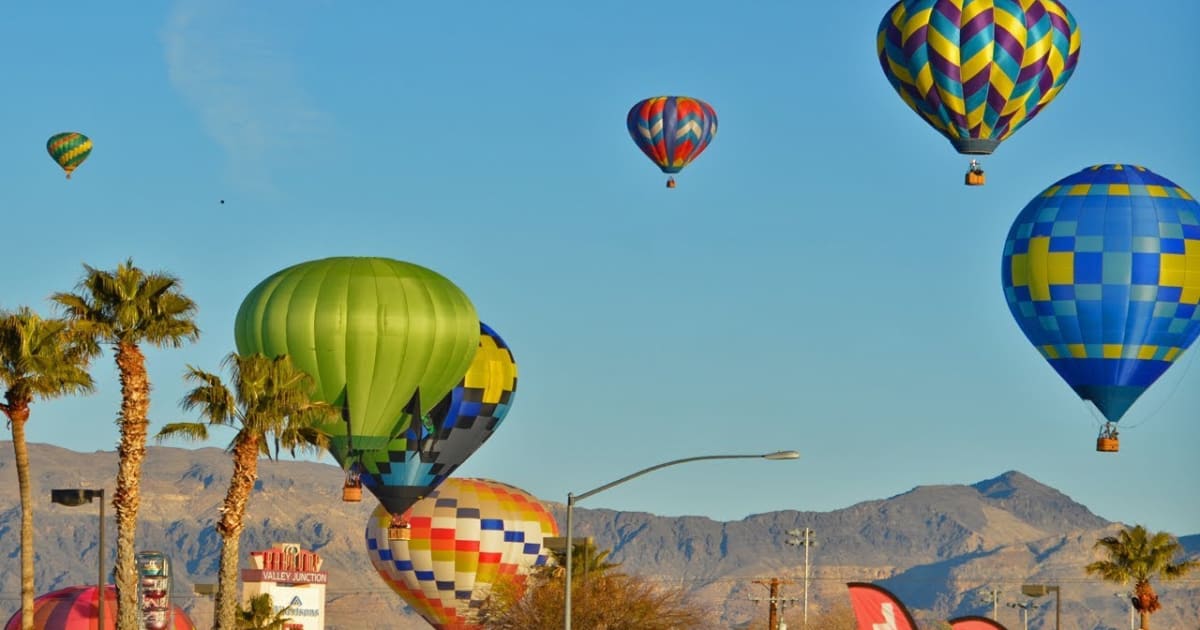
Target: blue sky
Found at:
x=820, y=279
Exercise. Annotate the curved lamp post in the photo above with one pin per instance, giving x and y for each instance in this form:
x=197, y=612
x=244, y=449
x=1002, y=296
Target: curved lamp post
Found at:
x=572, y=498
x=73, y=497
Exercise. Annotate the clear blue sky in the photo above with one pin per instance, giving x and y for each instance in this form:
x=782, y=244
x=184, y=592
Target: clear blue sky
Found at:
x=820, y=280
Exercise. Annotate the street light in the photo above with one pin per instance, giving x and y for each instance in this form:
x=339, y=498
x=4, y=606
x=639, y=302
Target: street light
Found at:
x=1038, y=590
x=73, y=497
x=803, y=537
x=1129, y=598
x=572, y=498
x=1025, y=608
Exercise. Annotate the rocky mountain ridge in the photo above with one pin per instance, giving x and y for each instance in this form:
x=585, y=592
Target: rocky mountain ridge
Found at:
x=943, y=549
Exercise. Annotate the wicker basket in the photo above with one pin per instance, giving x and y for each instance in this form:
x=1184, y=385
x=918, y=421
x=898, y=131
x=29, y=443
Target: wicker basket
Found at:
x=1108, y=444
x=351, y=494
x=975, y=178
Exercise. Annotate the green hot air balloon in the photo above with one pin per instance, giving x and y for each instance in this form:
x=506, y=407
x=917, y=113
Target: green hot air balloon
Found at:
x=379, y=336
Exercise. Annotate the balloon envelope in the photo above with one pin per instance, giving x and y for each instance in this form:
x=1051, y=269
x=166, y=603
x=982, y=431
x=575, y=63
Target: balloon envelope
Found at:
x=400, y=475
x=371, y=332
x=75, y=608
x=1102, y=273
x=69, y=149
x=465, y=536
x=977, y=71
x=672, y=130
x=876, y=607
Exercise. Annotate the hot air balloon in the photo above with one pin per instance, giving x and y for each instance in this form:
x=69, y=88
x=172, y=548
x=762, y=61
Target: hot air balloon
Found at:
x=69, y=149
x=876, y=607
x=76, y=608
x=382, y=338
x=466, y=535
x=1102, y=273
x=672, y=130
x=977, y=71
x=458, y=425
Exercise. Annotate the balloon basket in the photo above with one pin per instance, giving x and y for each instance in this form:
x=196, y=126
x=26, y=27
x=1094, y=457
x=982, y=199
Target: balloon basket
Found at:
x=975, y=178
x=1108, y=444
x=399, y=532
x=351, y=493
x=671, y=183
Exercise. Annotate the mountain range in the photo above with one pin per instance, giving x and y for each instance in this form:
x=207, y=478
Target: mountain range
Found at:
x=945, y=550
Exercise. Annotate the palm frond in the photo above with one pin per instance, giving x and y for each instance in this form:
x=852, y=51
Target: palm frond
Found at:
x=191, y=431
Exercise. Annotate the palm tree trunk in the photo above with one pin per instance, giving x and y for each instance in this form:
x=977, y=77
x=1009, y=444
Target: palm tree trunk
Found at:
x=131, y=452
x=233, y=512
x=1145, y=619
x=18, y=414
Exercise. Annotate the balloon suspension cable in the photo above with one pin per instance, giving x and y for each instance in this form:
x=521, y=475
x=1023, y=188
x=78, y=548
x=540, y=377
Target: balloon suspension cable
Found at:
x=1109, y=430
x=1188, y=360
x=415, y=423
x=349, y=431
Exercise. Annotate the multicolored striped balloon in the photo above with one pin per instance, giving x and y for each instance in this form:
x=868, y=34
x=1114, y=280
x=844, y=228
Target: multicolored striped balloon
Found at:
x=466, y=535
x=672, y=130
x=1102, y=273
x=69, y=149
x=400, y=474
x=977, y=70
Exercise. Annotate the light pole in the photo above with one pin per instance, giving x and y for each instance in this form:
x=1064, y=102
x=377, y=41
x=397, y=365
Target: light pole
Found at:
x=73, y=497
x=994, y=599
x=1128, y=597
x=1025, y=608
x=572, y=498
x=803, y=537
x=1038, y=590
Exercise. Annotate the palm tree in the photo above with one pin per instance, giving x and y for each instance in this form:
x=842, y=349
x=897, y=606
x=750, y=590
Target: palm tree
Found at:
x=127, y=308
x=38, y=357
x=270, y=404
x=585, y=559
x=259, y=614
x=1138, y=556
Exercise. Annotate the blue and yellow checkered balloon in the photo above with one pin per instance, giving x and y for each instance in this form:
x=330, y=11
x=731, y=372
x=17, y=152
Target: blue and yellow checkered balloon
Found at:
x=1102, y=273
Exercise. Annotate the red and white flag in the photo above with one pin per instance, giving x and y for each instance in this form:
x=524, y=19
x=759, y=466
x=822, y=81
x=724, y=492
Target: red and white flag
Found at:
x=975, y=623
x=877, y=609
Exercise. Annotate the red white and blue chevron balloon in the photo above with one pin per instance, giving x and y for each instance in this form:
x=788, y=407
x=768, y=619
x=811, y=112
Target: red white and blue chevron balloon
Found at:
x=672, y=130
x=977, y=70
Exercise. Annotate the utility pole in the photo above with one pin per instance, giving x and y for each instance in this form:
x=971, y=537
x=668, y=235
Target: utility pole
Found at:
x=993, y=596
x=803, y=537
x=776, y=602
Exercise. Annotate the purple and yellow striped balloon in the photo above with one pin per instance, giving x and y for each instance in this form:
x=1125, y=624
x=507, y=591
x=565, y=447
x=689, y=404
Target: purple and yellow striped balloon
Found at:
x=977, y=70
x=672, y=130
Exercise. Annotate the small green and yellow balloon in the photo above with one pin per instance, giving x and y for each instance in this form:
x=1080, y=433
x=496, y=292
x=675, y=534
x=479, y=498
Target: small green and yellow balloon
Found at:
x=69, y=149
